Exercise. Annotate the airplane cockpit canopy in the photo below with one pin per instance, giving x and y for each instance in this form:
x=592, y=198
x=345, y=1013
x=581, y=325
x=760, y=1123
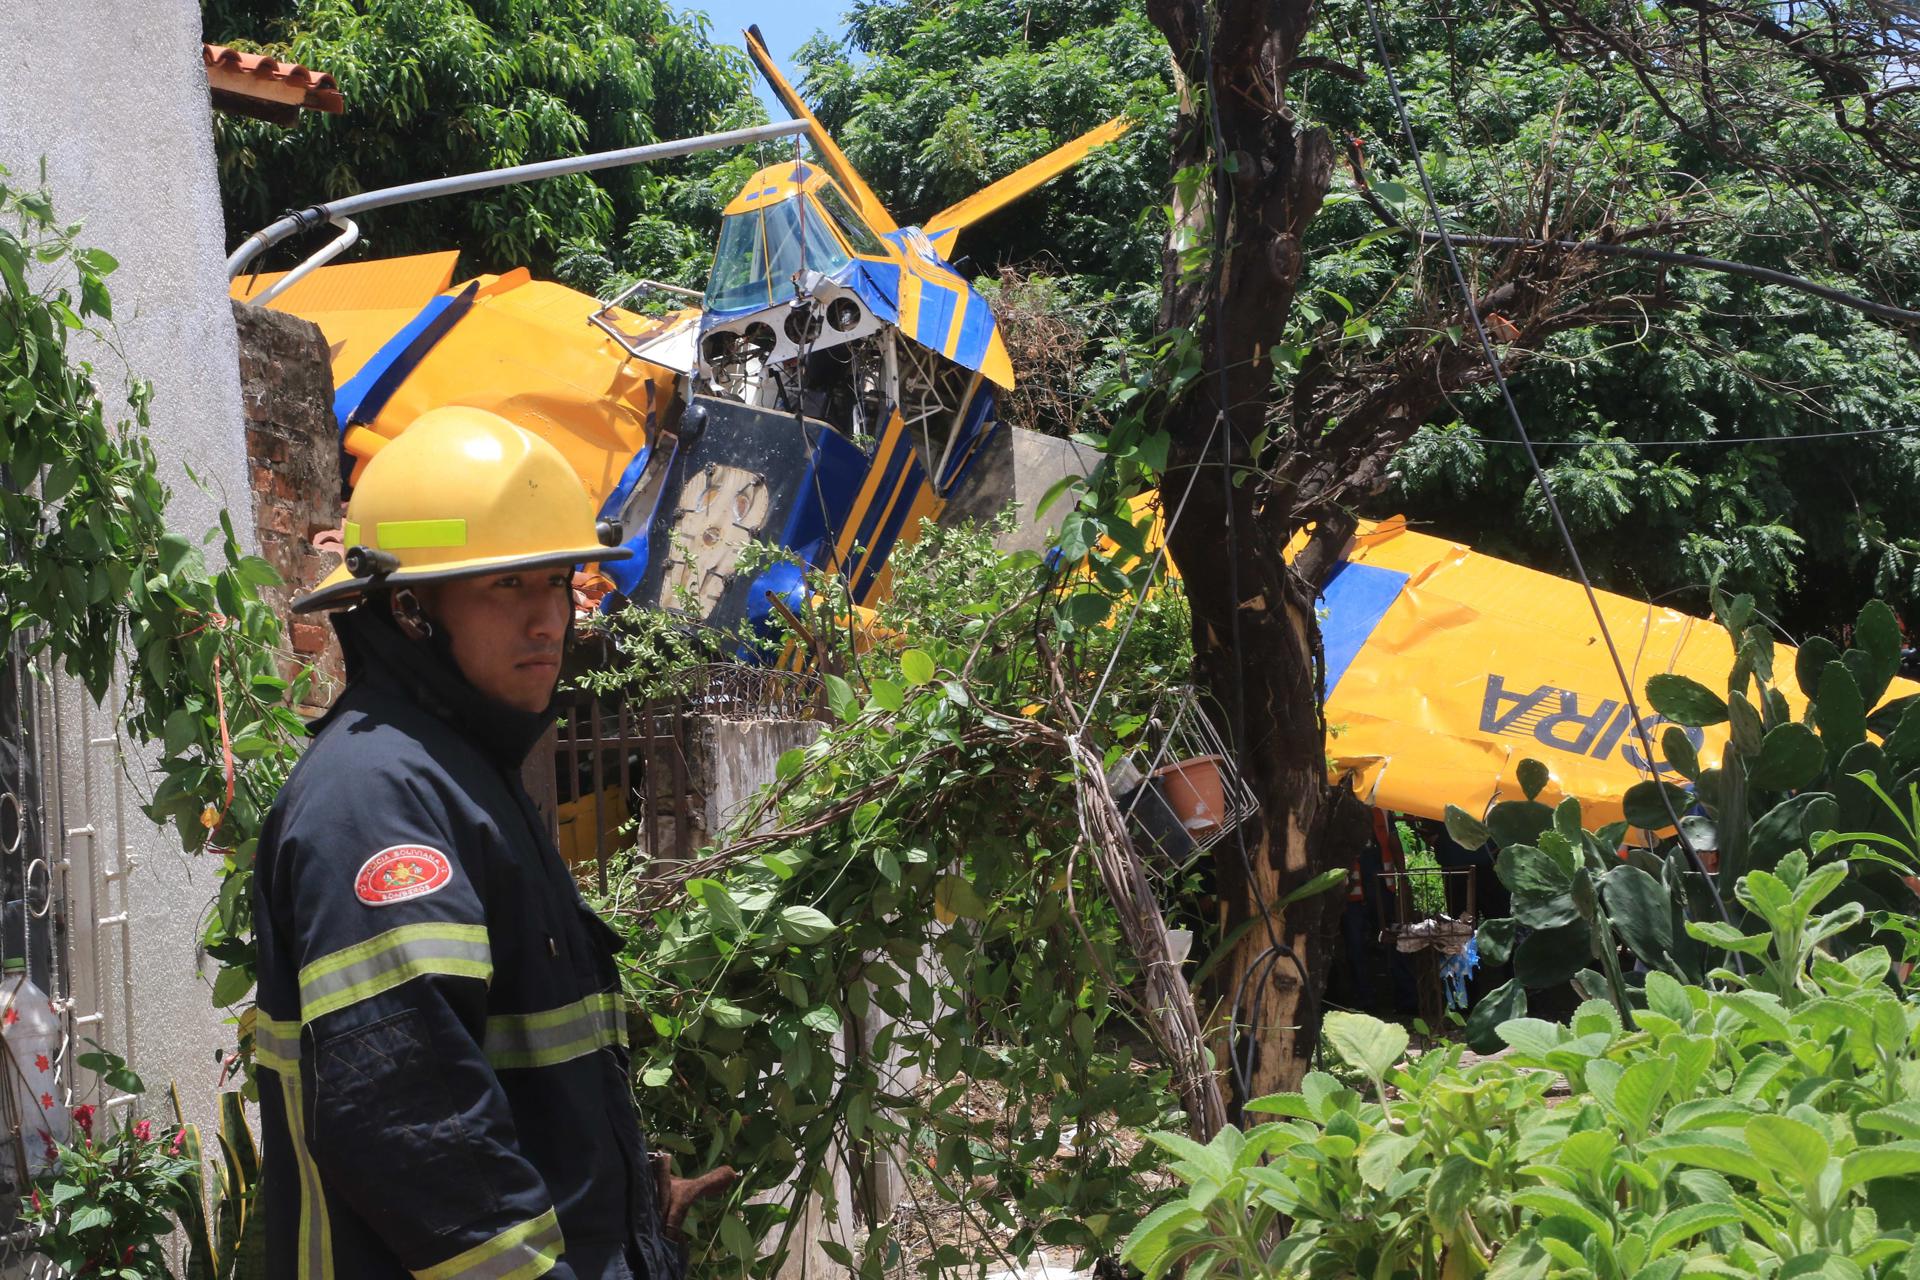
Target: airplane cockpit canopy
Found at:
x=759, y=251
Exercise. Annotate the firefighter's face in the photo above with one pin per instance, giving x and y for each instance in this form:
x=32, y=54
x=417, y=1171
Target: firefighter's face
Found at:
x=507, y=631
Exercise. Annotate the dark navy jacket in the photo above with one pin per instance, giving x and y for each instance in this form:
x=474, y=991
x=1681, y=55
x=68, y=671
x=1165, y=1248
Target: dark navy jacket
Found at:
x=443, y=1073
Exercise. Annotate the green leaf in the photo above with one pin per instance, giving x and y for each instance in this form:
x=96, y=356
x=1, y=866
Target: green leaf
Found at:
x=1494, y=940
x=1518, y=822
x=1533, y=777
x=1642, y=912
x=957, y=895
x=1687, y=1222
x=1890, y=1160
x=1504, y=1003
x=804, y=924
x=727, y=1014
x=1368, y=1043
x=1812, y=659
x=1466, y=830
x=840, y=699
x=1707, y=1149
x=1552, y=1202
x=1331, y=878
x=916, y=667
x=1790, y=757
x=722, y=912
x=1645, y=808
x=1876, y=635
x=88, y=1217
x=1789, y=1146
x=231, y=985
x=1678, y=749
x=886, y=695
x=1746, y=729
x=1685, y=701
x=1839, y=712
x=1452, y=1188
x=655, y=1076
x=1382, y=1156
x=1902, y=1118
x=1548, y=957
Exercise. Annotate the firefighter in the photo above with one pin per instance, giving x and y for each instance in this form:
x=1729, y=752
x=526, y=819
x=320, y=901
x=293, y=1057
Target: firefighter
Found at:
x=443, y=1075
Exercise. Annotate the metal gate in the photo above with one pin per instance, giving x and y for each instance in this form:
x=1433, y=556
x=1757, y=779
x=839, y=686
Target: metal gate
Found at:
x=63, y=868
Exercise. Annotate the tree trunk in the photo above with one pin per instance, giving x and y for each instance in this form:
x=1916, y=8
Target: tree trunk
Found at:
x=1256, y=640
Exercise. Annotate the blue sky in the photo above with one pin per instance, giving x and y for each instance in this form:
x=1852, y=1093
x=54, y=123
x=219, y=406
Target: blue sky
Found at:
x=786, y=24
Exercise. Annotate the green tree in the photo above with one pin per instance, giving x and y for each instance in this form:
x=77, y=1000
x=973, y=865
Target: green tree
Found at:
x=1811, y=529
x=439, y=87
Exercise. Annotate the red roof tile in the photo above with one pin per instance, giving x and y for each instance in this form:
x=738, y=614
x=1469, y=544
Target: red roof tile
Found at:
x=255, y=84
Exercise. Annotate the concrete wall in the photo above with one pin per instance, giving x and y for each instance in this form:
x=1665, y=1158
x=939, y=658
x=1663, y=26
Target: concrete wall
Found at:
x=114, y=95
x=1017, y=469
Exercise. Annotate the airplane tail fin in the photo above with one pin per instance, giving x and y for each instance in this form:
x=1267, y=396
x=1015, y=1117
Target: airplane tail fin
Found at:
x=942, y=226
x=830, y=153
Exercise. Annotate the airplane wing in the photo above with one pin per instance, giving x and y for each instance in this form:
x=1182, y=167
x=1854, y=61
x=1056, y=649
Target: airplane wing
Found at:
x=942, y=226
x=830, y=153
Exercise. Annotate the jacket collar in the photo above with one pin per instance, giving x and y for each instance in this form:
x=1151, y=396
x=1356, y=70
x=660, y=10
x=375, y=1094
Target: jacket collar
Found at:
x=380, y=658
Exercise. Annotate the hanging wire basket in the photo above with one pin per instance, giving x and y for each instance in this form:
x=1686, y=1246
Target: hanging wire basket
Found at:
x=1186, y=794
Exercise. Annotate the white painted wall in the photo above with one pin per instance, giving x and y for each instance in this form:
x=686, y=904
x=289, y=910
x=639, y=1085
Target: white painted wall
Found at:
x=114, y=95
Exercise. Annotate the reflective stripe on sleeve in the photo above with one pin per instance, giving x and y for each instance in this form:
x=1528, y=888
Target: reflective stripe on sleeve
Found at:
x=553, y=1036
x=386, y=960
x=518, y=1253
x=276, y=1045
x=315, y=1258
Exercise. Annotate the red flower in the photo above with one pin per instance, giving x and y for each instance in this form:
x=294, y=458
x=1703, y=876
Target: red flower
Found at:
x=46, y=1101
x=179, y=1140
x=144, y=1131
x=36, y=1202
x=40, y=1063
x=83, y=1116
x=11, y=1016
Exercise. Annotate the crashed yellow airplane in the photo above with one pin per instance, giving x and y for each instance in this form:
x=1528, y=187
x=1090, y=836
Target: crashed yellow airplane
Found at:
x=831, y=389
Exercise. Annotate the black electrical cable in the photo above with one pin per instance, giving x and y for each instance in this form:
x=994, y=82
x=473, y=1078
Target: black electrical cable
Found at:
x=1533, y=458
x=1712, y=441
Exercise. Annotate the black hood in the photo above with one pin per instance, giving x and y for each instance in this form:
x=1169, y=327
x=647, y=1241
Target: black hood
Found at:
x=379, y=657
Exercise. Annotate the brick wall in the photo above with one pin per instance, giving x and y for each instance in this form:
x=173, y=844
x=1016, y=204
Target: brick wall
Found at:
x=293, y=457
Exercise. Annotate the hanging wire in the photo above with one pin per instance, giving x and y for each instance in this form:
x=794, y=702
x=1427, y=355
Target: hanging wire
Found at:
x=1533, y=460
x=1715, y=441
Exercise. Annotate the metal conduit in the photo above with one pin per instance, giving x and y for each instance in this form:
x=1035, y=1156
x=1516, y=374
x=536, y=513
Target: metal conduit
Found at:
x=458, y=184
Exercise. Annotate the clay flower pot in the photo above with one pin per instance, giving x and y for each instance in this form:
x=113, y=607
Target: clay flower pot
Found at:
x=1195, y=792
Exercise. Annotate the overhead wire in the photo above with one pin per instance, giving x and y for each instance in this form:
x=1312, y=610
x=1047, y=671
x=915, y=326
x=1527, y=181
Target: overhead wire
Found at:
x=1712, y=441
x=1472, y=307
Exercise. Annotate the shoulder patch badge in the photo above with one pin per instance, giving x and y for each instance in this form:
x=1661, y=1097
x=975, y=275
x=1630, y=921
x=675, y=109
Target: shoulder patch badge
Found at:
x=401, y=873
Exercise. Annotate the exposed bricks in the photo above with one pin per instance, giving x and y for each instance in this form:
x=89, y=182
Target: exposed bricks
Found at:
x=310, y=638
x=293, y=451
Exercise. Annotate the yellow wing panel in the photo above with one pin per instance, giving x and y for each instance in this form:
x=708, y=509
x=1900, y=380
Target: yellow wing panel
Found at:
x=1480, y=663
x=941, y=227
x=527, y=353
x=383, y=284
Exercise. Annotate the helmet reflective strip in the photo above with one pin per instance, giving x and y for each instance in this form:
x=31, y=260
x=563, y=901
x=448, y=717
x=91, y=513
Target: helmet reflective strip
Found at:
x=403, y=535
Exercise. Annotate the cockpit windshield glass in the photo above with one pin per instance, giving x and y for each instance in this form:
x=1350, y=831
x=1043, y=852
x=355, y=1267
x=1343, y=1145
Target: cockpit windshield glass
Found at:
x=852, y=225
x=758, y=252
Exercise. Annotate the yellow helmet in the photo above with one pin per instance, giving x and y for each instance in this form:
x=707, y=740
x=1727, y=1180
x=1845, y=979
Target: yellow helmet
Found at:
x=462, y=492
